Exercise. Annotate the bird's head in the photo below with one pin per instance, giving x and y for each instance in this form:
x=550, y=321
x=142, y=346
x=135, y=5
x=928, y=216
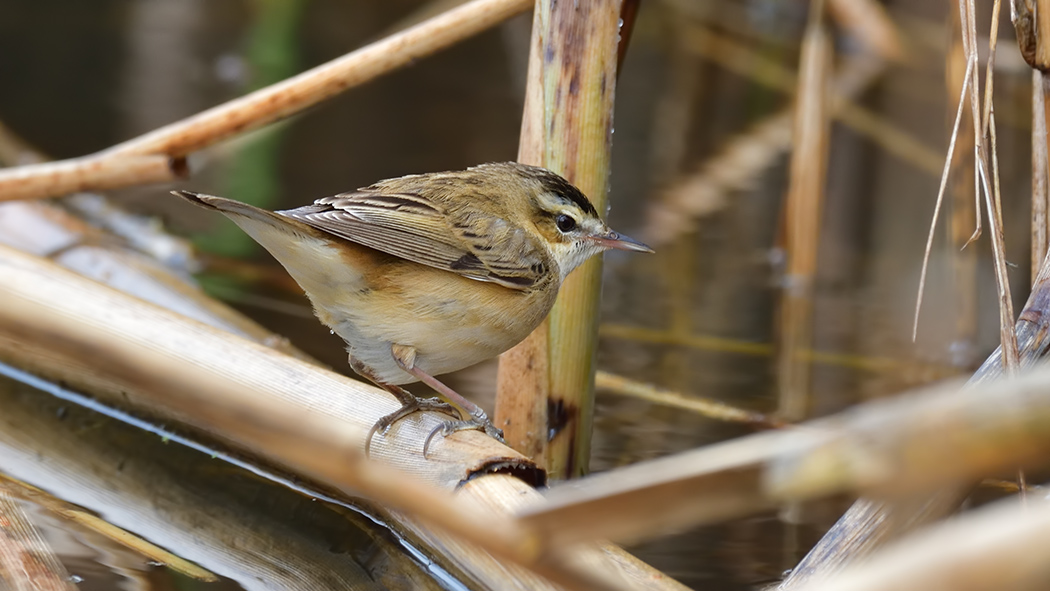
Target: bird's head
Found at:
x=563, y=216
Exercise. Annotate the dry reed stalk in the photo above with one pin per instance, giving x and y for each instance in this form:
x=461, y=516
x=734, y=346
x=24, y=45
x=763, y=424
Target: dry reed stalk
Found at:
x=868, y=21
x=90, y=173
x=867, y=524
x=1003, y=546
x=1031, y=20
x=705, y=407
x=865, y=527
x=803, y=209
x=961, y=220
x=987, y=165
x=129, y=352
x=147, y=158
x=506, y=494
x=27, y=561
x=568, y=125
x=895, y=449
x=1039, y=171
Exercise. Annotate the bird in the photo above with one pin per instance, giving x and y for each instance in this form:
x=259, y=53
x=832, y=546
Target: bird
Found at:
x=426, y=274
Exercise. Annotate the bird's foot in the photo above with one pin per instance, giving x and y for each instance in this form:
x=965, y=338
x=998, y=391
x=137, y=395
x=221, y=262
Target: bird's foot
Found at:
x=479, y=421
x=408, y=407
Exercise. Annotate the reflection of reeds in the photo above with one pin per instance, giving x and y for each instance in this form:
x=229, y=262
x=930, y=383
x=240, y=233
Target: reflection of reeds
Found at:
x=803, y=210
x=705, y=407
x=16, y=489
x=744, y=157
x=27, y=561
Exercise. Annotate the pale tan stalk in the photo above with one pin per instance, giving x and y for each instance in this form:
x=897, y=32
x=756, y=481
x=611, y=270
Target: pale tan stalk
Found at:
x=1002, y=546
x=987, y=173
x=963, y=260
x=803, y=214
x=573, y=117
x=146, y=158
x=1039, y=172
x=90, y=173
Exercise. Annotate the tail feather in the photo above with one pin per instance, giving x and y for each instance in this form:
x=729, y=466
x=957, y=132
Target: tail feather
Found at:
x=233, y=209
x=310, y=255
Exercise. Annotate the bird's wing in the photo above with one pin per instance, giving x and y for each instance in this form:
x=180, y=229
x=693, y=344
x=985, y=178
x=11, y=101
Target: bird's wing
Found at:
x=481, y=247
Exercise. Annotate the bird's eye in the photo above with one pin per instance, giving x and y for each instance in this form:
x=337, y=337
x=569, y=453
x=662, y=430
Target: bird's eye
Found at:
x=565, y=222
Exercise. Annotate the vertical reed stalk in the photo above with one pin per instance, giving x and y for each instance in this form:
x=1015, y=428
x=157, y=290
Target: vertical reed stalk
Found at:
x=805, y=200
x=961, y=222
x=1039, y=172
x=545, y=398
x=987, y=173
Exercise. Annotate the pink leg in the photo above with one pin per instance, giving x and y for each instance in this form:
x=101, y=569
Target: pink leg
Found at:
x=406, y=357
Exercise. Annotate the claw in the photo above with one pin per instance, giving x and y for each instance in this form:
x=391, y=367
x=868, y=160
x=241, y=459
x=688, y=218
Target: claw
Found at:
x=477, y=424
x=417, y=404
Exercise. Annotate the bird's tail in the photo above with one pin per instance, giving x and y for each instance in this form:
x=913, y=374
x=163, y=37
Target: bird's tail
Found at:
x=231, y=208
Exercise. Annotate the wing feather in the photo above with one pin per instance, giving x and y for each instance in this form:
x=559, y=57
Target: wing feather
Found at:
x=415, y=228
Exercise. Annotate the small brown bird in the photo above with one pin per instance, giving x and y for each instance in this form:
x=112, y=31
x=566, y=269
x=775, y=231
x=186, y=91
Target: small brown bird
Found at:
x=426, y=274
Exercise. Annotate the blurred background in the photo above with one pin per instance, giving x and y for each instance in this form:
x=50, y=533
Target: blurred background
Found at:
x=700, y=164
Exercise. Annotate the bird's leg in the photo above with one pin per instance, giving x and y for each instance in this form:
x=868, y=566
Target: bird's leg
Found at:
x=405, y=357
x=410, y=403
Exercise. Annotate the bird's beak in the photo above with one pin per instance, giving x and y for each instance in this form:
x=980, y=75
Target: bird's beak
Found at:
x=618, y=241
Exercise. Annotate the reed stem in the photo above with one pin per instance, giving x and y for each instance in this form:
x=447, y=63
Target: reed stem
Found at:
x=545, y=397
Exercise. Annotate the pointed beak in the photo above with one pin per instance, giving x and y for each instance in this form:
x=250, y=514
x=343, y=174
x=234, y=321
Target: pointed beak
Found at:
x=618, y=241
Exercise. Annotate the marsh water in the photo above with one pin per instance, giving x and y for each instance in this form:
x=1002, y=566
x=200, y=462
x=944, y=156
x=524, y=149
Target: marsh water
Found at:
x=699, y=317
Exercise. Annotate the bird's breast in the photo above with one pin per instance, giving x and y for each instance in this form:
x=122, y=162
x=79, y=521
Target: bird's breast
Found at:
x=452, y=321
